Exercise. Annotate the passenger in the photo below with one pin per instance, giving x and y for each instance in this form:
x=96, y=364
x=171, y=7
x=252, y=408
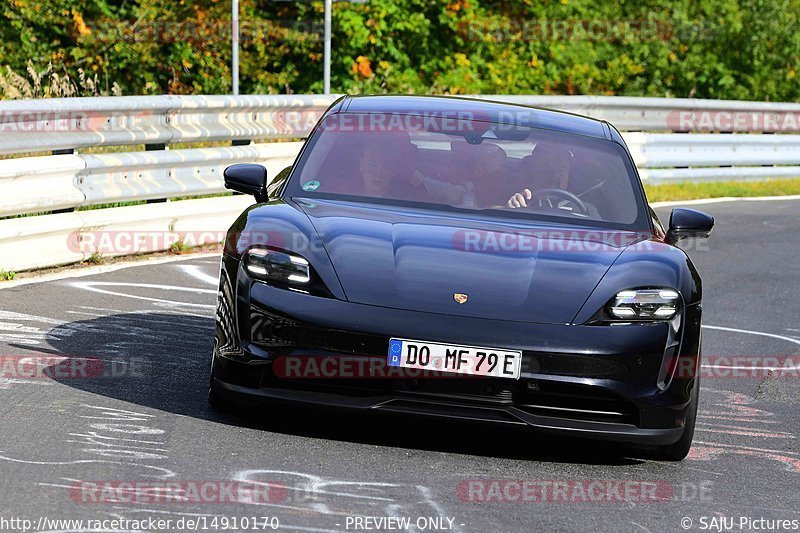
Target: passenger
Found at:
x=385, y=169
x=479, y=168
x=444, y=192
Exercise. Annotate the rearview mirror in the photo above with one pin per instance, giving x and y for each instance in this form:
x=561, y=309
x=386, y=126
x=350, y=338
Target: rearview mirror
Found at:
x=248, y=179
x=686, y=223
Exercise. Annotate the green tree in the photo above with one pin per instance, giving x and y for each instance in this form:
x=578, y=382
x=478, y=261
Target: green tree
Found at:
x=742, y=49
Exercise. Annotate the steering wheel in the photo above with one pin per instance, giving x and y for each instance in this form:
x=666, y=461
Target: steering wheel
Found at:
x=551, y=198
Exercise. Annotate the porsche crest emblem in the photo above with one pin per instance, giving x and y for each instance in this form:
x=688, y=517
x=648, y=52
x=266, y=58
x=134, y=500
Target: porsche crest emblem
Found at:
x=460, y=298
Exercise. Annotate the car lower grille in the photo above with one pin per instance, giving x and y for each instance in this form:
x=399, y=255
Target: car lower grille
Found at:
x=548, y=399
x=576, y=402
x=474, y=412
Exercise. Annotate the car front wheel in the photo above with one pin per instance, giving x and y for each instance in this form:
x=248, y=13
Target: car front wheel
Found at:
x=679, y=450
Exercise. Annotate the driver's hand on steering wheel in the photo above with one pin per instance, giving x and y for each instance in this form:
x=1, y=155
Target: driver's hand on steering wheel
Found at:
x=519, y=199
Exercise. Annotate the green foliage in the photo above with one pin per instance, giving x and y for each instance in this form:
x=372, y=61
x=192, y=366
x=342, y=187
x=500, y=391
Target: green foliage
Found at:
x=7, y=275
x=180, y=247
x=733, y=49
x=95, y=259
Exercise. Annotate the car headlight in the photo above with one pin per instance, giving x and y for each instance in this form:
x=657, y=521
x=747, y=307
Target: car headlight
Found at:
x=284, y=270
x=273, y=265
x=644, y=304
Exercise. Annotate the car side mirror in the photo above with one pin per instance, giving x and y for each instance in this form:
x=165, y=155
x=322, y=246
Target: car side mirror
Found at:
x=688, y=223
x=247, y=178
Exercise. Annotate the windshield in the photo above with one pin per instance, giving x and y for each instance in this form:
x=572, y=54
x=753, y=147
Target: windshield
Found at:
x=472, y=165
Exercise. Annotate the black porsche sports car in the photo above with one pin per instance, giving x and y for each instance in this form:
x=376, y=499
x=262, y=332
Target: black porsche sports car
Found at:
x=465, y=259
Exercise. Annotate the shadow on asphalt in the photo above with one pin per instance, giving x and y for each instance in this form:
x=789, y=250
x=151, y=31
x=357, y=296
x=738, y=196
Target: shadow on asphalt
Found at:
x=162, y=361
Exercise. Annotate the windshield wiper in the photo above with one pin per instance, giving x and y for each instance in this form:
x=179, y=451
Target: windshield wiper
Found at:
x=593, y=187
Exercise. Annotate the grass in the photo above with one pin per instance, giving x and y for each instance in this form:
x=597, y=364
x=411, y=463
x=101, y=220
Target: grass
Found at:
x=180, y=247
x=655, y=193
x=95, y=259
x=719, y=189
x=134, y=148
x=122, y=204
x=7, y=275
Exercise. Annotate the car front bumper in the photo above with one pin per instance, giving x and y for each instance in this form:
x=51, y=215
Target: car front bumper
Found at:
x=607, y=382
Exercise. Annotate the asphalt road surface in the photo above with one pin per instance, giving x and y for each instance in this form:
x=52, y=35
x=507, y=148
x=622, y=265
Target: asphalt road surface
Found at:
x=141, y=417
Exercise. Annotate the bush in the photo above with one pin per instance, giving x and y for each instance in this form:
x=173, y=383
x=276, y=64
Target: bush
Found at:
x=734, y=49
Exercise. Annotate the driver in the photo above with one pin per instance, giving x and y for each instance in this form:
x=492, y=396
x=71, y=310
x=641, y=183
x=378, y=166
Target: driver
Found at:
x=550, y=165
x=384, y=168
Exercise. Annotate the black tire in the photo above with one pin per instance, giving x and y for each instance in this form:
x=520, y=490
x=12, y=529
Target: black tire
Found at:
x=679, y=450
x=218, y=398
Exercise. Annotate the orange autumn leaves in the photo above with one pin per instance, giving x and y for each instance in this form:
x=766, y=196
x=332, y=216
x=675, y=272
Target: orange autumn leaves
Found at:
x=80, y=25
x=362, y=68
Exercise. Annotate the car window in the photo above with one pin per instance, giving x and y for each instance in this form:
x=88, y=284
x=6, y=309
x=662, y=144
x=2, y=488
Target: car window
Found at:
x=469, y=164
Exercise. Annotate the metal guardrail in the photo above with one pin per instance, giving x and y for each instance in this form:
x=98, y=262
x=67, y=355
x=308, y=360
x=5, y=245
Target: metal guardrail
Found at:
x=708, y=150
x=75, y=123
x=56, y=183
x=172, y=173
x=703, y=157
x=630, y=113
x=669, y=140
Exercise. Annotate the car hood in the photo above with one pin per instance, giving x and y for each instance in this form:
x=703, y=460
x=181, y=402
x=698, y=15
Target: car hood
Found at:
x=421, y=260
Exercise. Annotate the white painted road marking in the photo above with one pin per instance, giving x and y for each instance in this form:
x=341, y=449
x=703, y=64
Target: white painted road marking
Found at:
x=751, y=332
x=83, y=271
x=95, y=287
x=197, y=273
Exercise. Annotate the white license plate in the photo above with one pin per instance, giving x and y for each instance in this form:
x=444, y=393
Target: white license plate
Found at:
x=492, y=362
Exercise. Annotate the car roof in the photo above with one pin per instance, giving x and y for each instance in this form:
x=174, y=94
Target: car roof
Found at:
x=475, y=109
